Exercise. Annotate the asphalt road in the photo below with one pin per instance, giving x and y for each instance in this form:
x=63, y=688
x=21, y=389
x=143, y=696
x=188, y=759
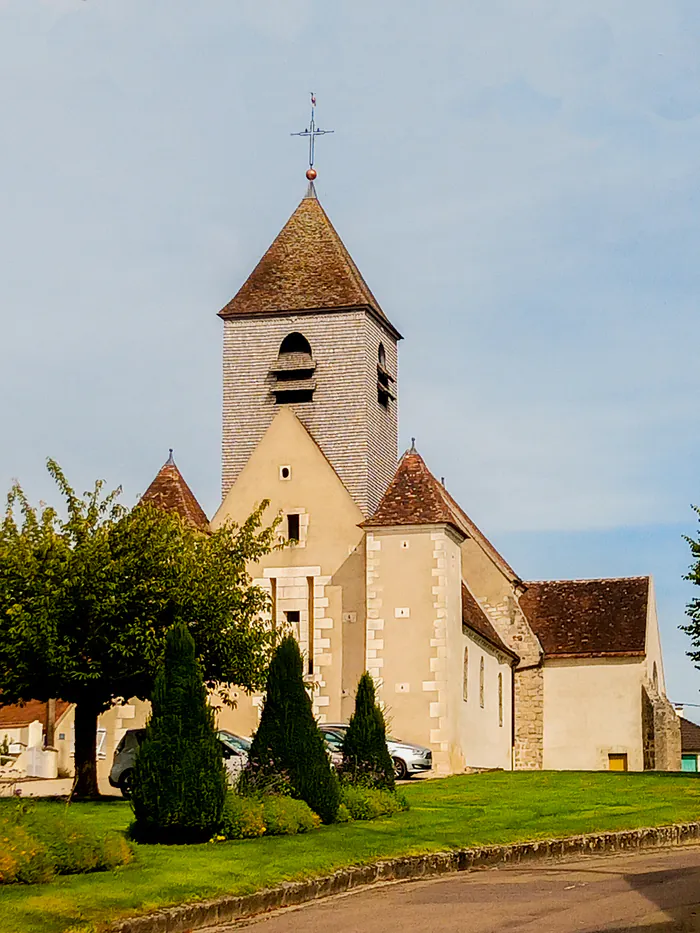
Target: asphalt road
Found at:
x=655, y=893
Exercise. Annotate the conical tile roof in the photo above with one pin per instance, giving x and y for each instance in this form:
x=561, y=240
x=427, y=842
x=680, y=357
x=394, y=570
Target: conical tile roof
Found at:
x=170, y=492
x=306, y=268
x=415, y=497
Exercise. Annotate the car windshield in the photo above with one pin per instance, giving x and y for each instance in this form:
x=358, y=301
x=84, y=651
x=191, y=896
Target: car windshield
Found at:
x=234, y=742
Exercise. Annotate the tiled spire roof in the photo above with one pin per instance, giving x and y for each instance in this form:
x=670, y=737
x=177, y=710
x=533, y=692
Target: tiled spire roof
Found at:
x=415, y=497
x=306, y=268
x=170, y=492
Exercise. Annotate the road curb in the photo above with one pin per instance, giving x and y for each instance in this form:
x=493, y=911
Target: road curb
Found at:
x=291, y=893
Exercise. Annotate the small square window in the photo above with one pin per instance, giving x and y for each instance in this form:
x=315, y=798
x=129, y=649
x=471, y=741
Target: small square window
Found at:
x=293, y=527
x=285, y=472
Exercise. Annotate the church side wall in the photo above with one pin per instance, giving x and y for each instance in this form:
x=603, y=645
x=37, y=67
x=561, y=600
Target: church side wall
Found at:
x=356, y=434
x=592, y=709
x=485, y=719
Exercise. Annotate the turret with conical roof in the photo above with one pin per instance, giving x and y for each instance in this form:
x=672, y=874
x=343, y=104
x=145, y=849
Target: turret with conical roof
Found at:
x=304, y=330
x=170, y=492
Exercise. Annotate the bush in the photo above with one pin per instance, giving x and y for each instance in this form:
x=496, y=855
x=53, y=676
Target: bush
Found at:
x=367, y=803
x=366, y=758
x=285, y=816
x=242, y=818
x=248, y=817
x=34, y=850
x=179, y=781
x=288, y=742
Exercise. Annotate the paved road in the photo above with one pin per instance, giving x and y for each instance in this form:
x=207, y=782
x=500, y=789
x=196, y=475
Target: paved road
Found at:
x=653, y=893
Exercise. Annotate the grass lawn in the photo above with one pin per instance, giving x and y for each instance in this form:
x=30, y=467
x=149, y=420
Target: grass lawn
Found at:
x=452, y=812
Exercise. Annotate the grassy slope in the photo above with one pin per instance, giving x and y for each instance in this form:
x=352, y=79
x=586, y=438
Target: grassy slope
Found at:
x=458, y=811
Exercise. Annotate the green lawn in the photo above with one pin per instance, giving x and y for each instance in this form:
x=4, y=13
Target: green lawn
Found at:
x=460, y=811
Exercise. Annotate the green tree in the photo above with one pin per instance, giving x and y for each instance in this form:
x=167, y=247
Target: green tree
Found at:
x=179, y=781
x=288, y=746
x=366, y=758
x=86, y=601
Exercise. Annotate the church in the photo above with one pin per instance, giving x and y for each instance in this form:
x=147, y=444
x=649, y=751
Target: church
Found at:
x=384, y=571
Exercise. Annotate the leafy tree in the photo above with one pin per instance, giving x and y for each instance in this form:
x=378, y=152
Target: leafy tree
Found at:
x=288, y=746
x=179, y=781
x=366, y=758
x=86, y=602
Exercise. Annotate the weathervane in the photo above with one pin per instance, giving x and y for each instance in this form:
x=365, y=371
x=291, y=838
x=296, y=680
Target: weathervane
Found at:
x=311, y=133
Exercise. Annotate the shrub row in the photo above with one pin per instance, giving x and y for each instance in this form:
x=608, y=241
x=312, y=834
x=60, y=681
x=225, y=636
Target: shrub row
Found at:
x=249, y=817
x=31, y=854
x=368, y=803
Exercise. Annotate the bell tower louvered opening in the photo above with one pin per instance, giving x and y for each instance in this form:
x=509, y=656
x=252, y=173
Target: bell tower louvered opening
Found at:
x=293, y=372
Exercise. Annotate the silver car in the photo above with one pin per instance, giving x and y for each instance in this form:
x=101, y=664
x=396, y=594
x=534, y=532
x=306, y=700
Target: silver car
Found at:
x=234, y=750
x=408, y=759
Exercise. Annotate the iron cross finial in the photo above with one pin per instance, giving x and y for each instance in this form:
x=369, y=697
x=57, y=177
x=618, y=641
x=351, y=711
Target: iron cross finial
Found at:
x=311, y=132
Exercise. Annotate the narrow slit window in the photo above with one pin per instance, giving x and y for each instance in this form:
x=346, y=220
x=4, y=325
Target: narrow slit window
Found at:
x=500, y=699
x=293, y=528
x=465, y=676
x=481, y=682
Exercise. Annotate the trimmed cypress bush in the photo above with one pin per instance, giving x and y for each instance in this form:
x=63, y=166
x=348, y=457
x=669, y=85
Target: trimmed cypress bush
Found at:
x=179, y=781
x=288, y=750
x=366, y=759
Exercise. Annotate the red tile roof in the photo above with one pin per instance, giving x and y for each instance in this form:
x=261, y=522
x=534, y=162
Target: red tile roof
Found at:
x=307, y=267
x=415, y=497
x=474, y=618
x=170, y=492
x=690, y=736
x=16, y=715
x=588, y=618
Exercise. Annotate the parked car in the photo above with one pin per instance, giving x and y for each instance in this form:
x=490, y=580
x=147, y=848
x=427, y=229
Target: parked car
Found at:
x=408, y=759
x=234, y=751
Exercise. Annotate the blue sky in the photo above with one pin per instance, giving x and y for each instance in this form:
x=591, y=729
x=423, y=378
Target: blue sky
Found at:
x=518, y=183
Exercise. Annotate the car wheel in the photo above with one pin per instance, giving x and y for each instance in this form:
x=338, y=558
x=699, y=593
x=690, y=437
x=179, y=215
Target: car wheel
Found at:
x=125, y=784
x=400, y=769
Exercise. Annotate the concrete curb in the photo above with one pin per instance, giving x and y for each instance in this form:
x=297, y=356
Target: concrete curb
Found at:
x=228, y=909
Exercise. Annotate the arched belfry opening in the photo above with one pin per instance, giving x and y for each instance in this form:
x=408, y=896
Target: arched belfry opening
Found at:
x=293, y=371
x=385, y=393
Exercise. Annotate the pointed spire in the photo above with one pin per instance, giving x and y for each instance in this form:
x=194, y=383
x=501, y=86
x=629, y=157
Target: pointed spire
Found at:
x=414, y=496
x=307, y=268
x=170, y=492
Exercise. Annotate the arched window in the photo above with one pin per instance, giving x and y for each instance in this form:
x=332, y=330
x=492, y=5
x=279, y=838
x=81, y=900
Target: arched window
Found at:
x=500, y=699
x=465, y=675
x=384, y=380
x=292, y=373
x=295, y=343
x=481, y=682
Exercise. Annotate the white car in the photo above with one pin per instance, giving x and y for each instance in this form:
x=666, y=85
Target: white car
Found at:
x=408, y=759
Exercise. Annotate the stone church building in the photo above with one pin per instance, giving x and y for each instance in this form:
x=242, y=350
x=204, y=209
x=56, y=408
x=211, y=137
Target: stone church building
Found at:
x=384, y=570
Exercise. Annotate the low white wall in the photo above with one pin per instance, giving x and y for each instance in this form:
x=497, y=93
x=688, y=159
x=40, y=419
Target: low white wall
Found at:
x=592, y=708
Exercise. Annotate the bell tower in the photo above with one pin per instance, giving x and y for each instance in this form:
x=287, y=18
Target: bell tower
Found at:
x=305, y=331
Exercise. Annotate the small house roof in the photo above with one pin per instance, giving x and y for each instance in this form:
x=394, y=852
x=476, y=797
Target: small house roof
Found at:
x=588, y=618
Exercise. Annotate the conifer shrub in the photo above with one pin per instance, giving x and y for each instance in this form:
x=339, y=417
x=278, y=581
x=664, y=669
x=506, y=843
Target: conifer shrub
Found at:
x=179, y=780
x=288, y=750
x=366, y=758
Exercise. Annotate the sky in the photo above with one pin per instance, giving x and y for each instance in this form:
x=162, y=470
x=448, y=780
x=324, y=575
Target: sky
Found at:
x=518, y=183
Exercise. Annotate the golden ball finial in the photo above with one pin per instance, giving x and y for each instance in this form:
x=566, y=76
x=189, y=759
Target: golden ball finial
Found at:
x=311, y=173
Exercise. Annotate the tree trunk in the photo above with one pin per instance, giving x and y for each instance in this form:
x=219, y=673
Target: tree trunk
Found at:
x=86, y=714
x=50, y=723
